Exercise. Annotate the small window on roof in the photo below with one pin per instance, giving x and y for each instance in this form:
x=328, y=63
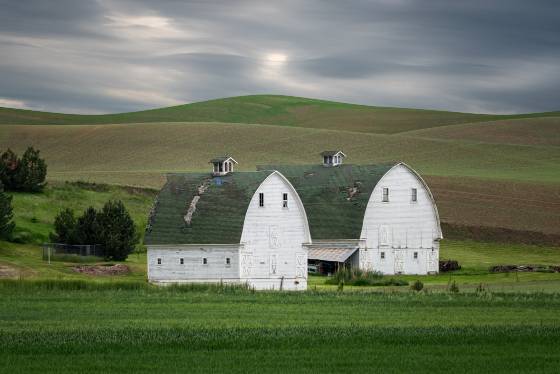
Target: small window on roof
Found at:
x=261, y=199
x=284, y=200
x=414, y=195
x=385, y=194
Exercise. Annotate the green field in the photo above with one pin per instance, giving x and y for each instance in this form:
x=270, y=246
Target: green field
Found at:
x=117, y=330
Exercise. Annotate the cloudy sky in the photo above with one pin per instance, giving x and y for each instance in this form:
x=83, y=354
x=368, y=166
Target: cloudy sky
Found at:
x=114, y=56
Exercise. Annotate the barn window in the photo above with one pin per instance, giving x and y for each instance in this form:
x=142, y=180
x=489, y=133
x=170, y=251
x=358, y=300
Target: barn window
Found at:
x=382, y=255
x=182, y=261
x=159, y=261
x=416, y=255
x=414, y=195
x=228, y=261
x=285, y=200
x=204, y=261
x=385, y=194
x=261, y=199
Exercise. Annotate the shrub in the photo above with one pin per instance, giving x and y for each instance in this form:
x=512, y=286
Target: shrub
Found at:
x=64, y=228
x=9, y=169
x=33, y=170
x=453, y=288
x=417, y=286
x=6, y=215
x=117, y=232
x=112, y=227
x=25, y=174
x=358, y=277
x=448, y=265
x=88, y=230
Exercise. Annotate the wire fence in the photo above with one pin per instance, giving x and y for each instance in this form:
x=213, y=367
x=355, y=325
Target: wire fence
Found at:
x=51, y=250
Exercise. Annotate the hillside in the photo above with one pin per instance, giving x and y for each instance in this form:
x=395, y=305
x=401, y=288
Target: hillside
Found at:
x=274, y=110
x=496, y=173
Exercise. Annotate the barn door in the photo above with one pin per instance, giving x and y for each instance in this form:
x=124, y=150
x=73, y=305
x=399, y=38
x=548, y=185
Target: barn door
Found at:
x=399, y=261
x=433, y=263
x=301, y=265
x=246, y=264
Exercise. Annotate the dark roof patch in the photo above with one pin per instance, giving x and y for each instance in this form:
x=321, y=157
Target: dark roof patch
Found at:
x=219, y=214
x=335, y=199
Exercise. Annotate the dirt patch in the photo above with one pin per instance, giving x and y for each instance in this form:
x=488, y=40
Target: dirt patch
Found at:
x=517, y=206
x=8, y=271
x=118, y=269
x=498, y=235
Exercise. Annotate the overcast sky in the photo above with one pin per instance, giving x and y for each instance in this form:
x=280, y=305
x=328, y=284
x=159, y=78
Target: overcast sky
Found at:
x=114, y=56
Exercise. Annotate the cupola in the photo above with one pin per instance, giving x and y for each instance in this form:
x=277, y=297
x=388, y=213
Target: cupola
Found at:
x=332, y=158
x=222, y=165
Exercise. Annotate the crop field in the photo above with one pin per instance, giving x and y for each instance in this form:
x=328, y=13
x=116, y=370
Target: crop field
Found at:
x=57, y=328
x=474, y=183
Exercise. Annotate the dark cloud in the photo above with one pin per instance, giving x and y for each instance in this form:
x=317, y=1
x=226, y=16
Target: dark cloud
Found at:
x=121, y=55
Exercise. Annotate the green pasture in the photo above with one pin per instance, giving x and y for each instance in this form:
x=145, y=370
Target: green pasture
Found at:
x=190, y=330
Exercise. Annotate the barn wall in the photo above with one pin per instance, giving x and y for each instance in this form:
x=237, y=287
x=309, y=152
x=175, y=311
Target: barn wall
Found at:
x=401, y=227
x=193, y=269
x=273, y=237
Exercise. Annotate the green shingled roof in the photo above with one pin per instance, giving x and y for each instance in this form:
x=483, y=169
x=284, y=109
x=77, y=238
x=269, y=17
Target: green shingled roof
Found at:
x=335, y=199
x=219, y=214
x=325, y=193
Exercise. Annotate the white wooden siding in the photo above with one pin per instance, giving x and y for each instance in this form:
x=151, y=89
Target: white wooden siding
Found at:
x=193, y=269
x=273, y=238
x=400, y=226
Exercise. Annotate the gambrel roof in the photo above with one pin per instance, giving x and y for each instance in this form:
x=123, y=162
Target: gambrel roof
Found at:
x=335, y=199
x=219, y=214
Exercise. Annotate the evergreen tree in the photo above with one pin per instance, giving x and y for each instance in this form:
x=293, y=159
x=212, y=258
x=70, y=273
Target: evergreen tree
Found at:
x=87, y=227
x=118, y=234
x=32, y=172
x=64, y=228
x=10, y=167
x=6, y=215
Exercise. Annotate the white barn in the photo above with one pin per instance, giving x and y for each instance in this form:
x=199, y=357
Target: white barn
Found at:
x=262, y=227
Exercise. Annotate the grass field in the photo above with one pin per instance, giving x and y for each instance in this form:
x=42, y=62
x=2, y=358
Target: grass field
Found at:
x=34, y=213
x=117, y=330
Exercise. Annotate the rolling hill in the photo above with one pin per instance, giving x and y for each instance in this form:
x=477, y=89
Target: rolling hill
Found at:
x=501, y=172
x=273, y=110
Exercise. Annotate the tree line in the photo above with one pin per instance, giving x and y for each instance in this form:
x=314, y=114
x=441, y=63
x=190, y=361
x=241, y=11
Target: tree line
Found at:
x=27, y=173
x=111, y=227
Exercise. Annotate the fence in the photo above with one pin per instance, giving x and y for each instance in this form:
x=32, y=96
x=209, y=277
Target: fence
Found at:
x=50, y=250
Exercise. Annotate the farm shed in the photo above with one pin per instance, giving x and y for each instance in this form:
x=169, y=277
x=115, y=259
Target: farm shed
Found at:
x=326, y=257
